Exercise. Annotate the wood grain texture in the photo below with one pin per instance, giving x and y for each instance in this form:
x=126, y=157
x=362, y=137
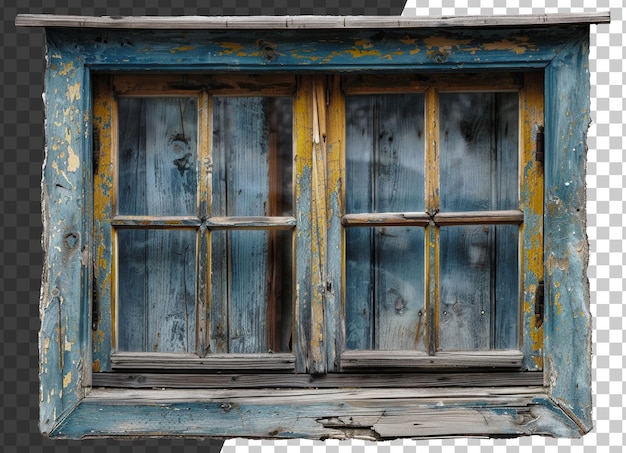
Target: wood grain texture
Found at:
x=304, y=22
x=321, y=51
x=384, y=266
x=203, y=380
x=371, y=414
x=532, y=231
x=162, y=361
x=568, y=319
x=67, y=272
x=479, y=264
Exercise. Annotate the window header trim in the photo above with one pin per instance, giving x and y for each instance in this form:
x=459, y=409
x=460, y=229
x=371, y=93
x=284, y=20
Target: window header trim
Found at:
x=305, y=22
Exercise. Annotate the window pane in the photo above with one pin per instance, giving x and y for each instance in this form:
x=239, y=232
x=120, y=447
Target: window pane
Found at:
x=479, y=151
x=385, y=288
x=156, y=272
x=252, y=156
x=251, y=291
x=479, y=287
x=385, y=153
x=157, y=156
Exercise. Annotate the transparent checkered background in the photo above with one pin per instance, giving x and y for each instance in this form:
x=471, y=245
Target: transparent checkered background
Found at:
x=21, y=135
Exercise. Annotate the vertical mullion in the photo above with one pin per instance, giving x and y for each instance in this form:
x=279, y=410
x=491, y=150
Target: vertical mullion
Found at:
x=203, y=240
x=431, y=106
x=319, y=225
x=105, y=121
x=335, y=159
x=303, y=146
x=531, y=231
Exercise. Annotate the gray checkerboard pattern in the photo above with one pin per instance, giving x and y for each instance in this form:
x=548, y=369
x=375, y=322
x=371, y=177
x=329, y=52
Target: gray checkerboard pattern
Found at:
x=21, y=52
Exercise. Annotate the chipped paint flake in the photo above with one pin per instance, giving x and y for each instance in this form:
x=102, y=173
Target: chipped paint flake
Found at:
x=519, y=46
x=73, y=92
x=67, y=379
x=231, y=48
x=73, y=162
x=66, y=68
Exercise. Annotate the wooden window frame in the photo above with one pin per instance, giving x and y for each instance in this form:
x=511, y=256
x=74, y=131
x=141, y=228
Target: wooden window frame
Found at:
x=314, y=405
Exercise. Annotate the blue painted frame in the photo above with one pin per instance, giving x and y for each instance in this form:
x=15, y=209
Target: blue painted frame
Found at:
x=69, y=407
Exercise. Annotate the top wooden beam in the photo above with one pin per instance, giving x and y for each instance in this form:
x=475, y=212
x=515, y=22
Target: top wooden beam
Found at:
x=305, y=22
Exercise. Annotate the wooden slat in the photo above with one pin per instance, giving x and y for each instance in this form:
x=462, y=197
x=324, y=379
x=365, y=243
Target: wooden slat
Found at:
x=407, y=83
x=386, y=219
x=441, y=360
x=211, y=362
x=512, y=217
x=331, y=380
x=214, y=84
x=138, y=221
x=252, y=222
x=305, y=22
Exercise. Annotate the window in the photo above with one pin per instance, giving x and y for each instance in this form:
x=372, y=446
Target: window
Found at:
x=204, y=246
x=347, y=229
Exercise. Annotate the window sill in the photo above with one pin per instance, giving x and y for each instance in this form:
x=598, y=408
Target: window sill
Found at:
x=371, y=414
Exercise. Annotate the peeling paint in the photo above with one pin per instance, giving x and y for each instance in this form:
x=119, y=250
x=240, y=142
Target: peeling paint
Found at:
x=67, y=379
x=66, y=68
x=73, y=92
x=519, y=46
x=231, y=48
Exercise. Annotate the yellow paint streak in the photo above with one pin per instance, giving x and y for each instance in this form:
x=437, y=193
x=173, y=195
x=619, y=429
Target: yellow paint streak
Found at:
x=519, y=46
x=68, y=345
x=231, y=48
x=182, y=49
x=67, y=379
x=557, y=302
x=443, y=42
x=95, y=366
x=320, y=209
x=531, y=202
x=358, y=53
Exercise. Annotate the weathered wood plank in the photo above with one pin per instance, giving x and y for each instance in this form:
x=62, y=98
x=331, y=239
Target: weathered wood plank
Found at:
x=479, y=265
x=317, y=50
x=245, y=157
x=152, y=222
x=568, y=319
x=514, y=217
x=385, y=83
x=449, y=378
x=252, y=222
x=213, y=362
x=531, y=231
x=104, y=196
x=386, y=219
x=157, y=290
x=373, y=414
x=302, y=122
x=385, y=168
x=352, y=360
x=157, y=168
x=305, y=22
x=215, y=84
